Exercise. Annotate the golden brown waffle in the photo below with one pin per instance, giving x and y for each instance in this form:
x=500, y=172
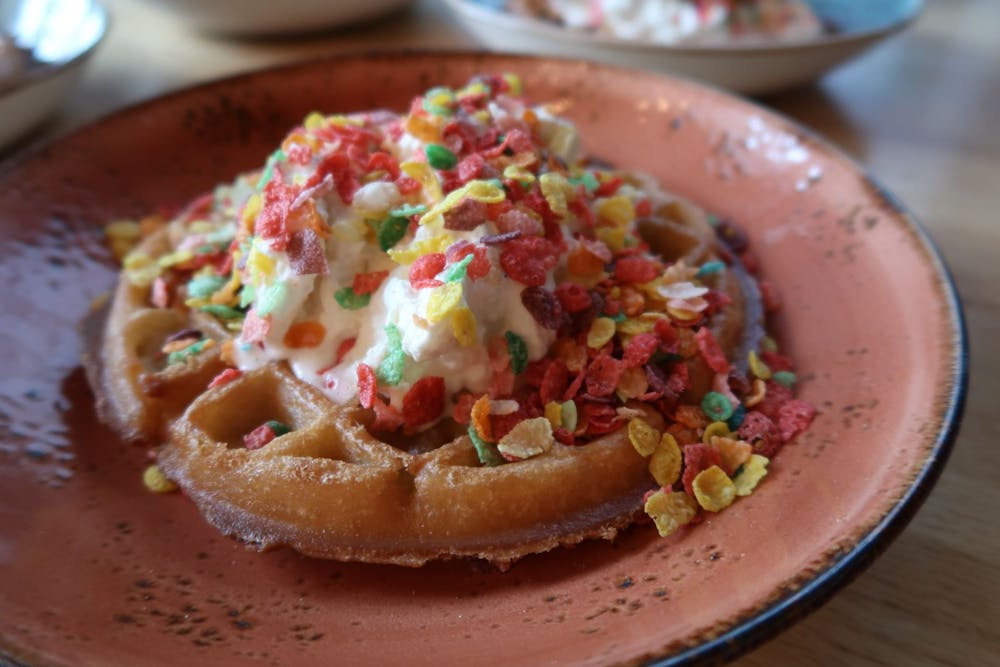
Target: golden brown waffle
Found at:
x=330, y=488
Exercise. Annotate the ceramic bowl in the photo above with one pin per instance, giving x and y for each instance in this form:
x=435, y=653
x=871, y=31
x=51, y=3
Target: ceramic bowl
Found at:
x=96, y=570
x=752, y=69
x=267, y=18
x=54, y=41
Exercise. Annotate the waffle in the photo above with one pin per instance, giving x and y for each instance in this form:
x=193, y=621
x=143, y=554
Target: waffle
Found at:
x=330, y=488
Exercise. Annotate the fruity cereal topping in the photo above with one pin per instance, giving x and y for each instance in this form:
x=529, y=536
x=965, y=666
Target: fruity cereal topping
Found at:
x=461, y=264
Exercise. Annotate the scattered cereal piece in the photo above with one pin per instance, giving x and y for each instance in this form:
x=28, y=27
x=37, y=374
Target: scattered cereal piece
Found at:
x=156, y=481
x=670, y=510
x=758, y=367
x=443, y=301
x=553, y=412
x=601, y=331
x=528, y=438
x=486, y=451
x=518, y=351
x=733, y=453
x=665, y=463
x=713, y=489
x=480, y=416
x=719, y=428
x=750, y=474
x=463, y=326
x=643, y=437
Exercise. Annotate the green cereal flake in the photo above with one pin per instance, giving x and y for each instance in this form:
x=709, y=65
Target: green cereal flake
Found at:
x=456, y=271
x=191, y=350
x=351, y=301
x=278, y=428
x=406, y=210
x=390, y=371
x=202, y=287
x=785, y=378
x=220, y=311
x=587, y=180
x=716, y=406
x=391, y=231
x=272, y=298
x=486, y=451
x=440, y=157
x=247, y=295
x=710, y=268
x=265, y=177
x=518, y=351
x=569, y=415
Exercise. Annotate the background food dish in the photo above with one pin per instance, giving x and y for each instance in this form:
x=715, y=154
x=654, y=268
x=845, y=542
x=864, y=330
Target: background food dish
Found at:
x=53, y=42
x=756, y=69
x=841, y=493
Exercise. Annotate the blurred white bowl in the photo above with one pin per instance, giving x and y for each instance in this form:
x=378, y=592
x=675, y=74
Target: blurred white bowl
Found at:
x=267, y=18
x=747, y=68
x=54, y=39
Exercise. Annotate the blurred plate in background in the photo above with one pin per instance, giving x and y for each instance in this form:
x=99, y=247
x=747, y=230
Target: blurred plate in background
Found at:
x=752, y=68
x=43, y=47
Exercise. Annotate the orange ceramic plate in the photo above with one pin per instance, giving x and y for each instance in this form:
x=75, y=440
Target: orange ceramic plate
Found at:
x=95, y=570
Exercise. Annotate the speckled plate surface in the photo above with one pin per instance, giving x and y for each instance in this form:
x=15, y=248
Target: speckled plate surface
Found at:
x=96, y=571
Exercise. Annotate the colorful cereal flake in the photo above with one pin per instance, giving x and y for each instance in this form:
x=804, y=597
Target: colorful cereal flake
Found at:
x=670, y=510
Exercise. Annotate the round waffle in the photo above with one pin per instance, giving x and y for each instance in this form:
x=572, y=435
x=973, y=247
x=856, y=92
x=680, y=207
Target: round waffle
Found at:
x=330, y=488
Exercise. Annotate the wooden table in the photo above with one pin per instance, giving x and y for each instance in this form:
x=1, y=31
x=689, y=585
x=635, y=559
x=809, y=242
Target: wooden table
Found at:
x=923, y=111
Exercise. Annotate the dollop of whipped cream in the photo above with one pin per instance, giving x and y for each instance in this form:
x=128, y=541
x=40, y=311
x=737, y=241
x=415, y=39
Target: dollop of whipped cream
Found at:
x=378, y=248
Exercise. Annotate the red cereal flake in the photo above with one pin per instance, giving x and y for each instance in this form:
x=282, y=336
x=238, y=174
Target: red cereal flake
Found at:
x=466, y=215
x=462, y=412
x=528, y=260
x=574, y=298
x=255, y=328
x=423, y=270
x=639, y=349
x=644, y=208
x=669, y=338
x=679, y=379
x=424, y=402
x=259, y=437
x=603, y=375
x=608, y=187
x=554, y=382
x=600, y=418
x=564, y=436
x=769, y=296
x=519, y=220
x=407, y=185
x=794, y=417
x=480, y=264
x=543, y=306
x=710, y=351
x=387, y=418
x=777, y=362
x=342, y=349
x=470, y=167
x=574, y=387
x=367, y=283
x=761, y=432
x=307, y=253
x=698, y=457
x=382, y=161
x=225, y=377
x=637, y=270
x=366, y=385
x=776, y=396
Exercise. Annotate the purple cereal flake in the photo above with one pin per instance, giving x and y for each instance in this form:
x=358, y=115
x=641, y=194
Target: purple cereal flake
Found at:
x=307, y=253
x=497, y=239
x=544, y=306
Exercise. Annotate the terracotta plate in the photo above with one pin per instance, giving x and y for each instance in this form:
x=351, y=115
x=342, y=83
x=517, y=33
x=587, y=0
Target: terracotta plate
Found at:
x=95, y=570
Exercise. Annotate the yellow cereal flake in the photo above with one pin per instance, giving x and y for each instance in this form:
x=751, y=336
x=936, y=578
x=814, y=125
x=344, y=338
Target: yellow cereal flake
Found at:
x=618, y=210
x=665, y=463
x=753, y=471
x=175, y=258
x=250, y=211
x=613, y=237
x=424, y=174
x=553, y=412
x=516, y=173
x=670, y=510
x=480, y=417
x=734, y=452
x=643, y=437
x=557, y=191
x=484, y=191
x=463, y=326
x=715, y=429
x=632, y=383
x=713, y=489
x=156, y=481
x=758, y=390
x=409, y=254
x=141, y=269
x=601, y=331
x=443, y=301
x=644, y=323
x=529, y=438
x=423, y=128
x=514, y=81
x=758, y=367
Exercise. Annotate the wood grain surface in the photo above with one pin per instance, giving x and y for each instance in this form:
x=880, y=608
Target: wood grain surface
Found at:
x=923, y=113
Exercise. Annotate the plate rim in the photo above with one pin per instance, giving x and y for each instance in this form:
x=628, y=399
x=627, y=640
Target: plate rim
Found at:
x=816, y=584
